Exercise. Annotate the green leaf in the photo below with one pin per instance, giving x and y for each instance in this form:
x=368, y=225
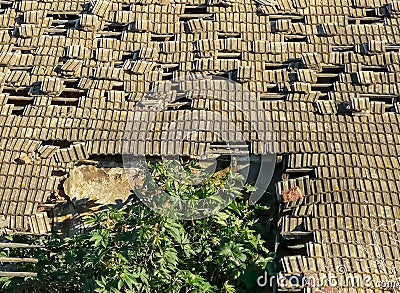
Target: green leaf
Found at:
x=120, y=284
x=97, y=238
x=129, y=279
x=100, y=238
x=249, y=188
x=101, y=283
x=221, y=218
x=121, y=257
x=229, y=288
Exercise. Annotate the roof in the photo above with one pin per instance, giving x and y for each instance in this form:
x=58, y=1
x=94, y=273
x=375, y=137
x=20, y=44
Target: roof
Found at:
x=325, y=72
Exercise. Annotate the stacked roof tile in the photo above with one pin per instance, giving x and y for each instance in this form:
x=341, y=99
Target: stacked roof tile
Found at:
x=326, y=73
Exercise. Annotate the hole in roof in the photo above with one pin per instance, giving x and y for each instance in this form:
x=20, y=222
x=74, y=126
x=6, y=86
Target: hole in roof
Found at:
x=333, y=69
x=58, y=173
x=296, y=39
x=327, y=79
x=323, y=88
x=107, y=161
x=376, y=68
x=196, y=10
x=115, y=27
x=20, y=101
x=18, y=111
x=371, y=21
x=168, y=76
x=275, y=66
x=298, y=19
x=162, y=38
x=59, y=143
x=70, y=101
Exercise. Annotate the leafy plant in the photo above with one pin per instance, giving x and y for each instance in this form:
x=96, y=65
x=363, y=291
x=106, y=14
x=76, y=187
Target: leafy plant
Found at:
x=135, y=249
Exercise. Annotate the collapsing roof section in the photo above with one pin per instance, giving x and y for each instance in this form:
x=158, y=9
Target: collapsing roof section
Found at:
x=326, y=73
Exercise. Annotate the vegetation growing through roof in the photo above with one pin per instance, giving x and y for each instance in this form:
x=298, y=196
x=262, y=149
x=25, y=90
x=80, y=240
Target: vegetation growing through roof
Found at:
x=137, y=250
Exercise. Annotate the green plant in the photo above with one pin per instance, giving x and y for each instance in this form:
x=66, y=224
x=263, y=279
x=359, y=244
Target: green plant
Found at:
x=137, y=250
